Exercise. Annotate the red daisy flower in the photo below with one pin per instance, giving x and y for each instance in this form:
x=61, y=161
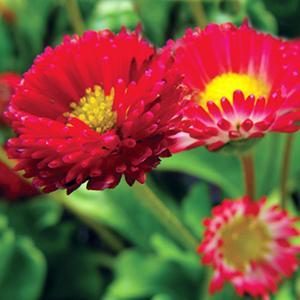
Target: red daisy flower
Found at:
x=94, y=108
x=242, y=84
x=248, y=244
x=8, y=83
x=13, y=187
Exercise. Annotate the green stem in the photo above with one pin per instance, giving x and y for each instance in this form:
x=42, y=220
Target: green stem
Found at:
x=75, y=16
x=249, y=174
x=198, y=13
x=66, y=201
x=285, y=168
x=167, y=218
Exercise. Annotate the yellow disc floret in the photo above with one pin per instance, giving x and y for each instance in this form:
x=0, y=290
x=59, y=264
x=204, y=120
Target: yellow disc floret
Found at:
x=245, y=239
x=95, y=109
x=224, y=85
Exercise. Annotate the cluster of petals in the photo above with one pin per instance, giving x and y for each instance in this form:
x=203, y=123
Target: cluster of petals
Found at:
x=278, y=258
x=239, y=111
x=58, y=149
x=8, y=83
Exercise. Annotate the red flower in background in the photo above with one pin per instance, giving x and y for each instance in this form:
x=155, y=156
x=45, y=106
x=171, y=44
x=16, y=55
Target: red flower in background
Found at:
x=242, y=84
x=249, y=244
x=6, y=13
x=8, y=83
x=13, y=187
x=93, y=109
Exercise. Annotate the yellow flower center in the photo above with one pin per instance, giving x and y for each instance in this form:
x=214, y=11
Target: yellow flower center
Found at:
x=245, y=239
x=224, y=85
x=95, y=109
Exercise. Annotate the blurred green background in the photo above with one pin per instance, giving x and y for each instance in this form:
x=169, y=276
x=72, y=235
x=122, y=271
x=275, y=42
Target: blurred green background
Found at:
x=47, y=252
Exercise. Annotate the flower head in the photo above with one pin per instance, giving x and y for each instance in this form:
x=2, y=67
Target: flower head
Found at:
x=242, y=84
x=8, y=83
x=93, y=109
x=249, y=244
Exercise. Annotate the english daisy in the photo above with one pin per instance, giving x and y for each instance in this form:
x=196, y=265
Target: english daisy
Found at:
x=250, y=245
x=242, y=84
x=93, y=109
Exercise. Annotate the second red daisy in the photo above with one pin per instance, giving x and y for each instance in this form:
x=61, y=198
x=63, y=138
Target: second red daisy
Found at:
x=242, y=84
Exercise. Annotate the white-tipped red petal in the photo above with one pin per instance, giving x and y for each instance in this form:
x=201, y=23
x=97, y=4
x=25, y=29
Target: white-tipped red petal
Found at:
x=271, y=104
x=260, y=277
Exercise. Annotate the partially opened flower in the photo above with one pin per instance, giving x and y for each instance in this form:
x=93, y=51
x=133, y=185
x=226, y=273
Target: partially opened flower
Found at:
x=250, y=245
x=8, y=83
x=242, y=84
x=93, y=109
x=13, y=187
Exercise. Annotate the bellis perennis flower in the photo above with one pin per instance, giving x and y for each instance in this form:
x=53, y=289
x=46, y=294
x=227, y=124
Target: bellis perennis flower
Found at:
x=242, y=84
x=249, y=244
x=93, y=109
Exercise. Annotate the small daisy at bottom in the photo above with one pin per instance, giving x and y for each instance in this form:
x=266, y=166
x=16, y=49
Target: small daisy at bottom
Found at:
x=249, y=244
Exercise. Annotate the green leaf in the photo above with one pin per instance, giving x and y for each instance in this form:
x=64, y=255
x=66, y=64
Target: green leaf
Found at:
x=268, y=157
x=6, y=49
x=67, y=259
x=113, y=15
x=285, y=292
x=74, y=275
x=220, y=169
x=7, y=240
x=167, y=249
x=34, y=216
x=22, y=268
x=30, y=28
x=162, y=297
x=196, y=206
x=268, y=162
x=261, y=18
x=140, y=275
x=121, y=210
x=154, y=15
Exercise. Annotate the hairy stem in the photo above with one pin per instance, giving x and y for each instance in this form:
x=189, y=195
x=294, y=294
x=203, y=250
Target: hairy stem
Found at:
x=167, y=218
x=285, y=168
x=75, y=16
x=198, y=13
x=249, y=175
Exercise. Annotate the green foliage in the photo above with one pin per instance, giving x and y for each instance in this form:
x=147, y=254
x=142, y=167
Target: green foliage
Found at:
x=22, y=265
x=120, y=210
x=196, y=206
x=170, y=271
x=222, y=170
x=113, y=14
x=32, y=235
